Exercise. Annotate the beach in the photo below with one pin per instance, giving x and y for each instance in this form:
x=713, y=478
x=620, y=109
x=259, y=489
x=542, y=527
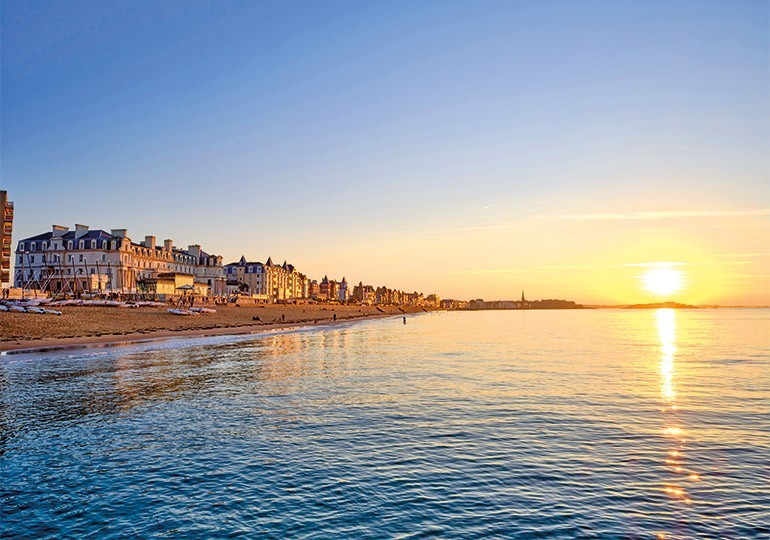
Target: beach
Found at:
x=83, y=326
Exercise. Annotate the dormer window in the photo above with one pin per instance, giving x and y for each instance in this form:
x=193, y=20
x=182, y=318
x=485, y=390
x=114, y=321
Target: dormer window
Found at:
x=32, y=246
x=93, y=244
x=21, y=246
x=45, y=246
x=69, y=244
x=104, y=244
x=113, y=245
x=81, y=244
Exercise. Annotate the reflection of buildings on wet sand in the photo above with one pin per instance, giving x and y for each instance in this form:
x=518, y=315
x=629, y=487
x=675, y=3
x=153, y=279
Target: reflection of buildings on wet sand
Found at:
x=673, y=430
x=273, y=365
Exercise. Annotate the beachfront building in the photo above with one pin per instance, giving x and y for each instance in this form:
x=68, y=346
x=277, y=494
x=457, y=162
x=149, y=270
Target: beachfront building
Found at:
x=268, y=281
x=86, y=261
x=330, y=289
x=168, y=284
x=342, y=290
x=364, y=294
x=313, y=289
x=453, y=304
x=6, y=211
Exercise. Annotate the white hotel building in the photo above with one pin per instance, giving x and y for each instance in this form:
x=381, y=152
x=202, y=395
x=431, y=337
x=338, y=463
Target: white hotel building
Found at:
x=97, y=262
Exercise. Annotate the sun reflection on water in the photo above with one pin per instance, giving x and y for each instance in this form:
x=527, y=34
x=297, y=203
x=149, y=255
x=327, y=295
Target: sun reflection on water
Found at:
x=666, y=322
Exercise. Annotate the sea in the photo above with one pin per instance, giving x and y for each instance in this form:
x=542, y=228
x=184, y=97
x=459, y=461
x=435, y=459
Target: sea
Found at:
x=559, y=424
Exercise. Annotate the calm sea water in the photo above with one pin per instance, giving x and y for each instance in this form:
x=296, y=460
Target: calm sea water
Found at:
x=541, y=424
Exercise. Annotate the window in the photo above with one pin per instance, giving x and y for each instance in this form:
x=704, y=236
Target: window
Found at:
x=104, y=257
x=21, y=258
x=69, y=244
x=21, y=246
x=32, y=246
x=81, y=244
x=112, y=244
x=45, y=246
x=93, y=244
x=104, y=244
x=69, y=258
x=32, y=259
x=80, y=258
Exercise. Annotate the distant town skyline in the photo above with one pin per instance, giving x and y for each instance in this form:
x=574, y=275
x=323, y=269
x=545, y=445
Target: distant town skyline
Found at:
x=471, y=150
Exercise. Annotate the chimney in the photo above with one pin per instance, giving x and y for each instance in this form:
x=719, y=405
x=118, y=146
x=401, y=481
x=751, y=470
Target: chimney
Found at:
x=59, y=231
x=118, y=232
x=80, y=230
x=194, y=250
x=149, y=241
x=168, y=245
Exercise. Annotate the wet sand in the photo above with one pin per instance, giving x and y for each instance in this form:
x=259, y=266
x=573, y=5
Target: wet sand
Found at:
x=84, y=326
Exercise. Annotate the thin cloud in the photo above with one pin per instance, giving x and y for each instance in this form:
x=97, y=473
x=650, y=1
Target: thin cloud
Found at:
x=742, y=255
x=670, y=214
x=664, y=263
x=564, y=267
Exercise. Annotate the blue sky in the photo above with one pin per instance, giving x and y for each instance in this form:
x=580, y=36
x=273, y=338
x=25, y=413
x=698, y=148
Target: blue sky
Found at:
x=343, y=136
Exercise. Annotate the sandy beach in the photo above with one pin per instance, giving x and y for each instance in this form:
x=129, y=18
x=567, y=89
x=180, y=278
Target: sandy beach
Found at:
x=83, y=326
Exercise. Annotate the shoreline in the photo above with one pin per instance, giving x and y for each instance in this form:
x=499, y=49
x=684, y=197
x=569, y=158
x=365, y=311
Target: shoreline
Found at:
x=120, y=339
x=84, y=327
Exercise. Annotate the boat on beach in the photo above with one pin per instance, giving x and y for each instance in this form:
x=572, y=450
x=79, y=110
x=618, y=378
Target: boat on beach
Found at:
x=29, y=308
x=183, y=312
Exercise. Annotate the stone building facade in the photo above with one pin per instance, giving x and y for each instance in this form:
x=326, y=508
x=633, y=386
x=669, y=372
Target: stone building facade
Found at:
x=268, y=281
x=87, y=261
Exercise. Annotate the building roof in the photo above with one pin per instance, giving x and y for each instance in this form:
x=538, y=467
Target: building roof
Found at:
x=96, y=234
x=244, y=262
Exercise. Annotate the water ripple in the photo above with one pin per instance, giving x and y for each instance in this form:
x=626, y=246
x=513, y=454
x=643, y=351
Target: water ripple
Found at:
x=462, y=425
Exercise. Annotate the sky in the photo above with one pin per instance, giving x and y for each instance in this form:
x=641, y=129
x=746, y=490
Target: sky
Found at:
x=468, y=149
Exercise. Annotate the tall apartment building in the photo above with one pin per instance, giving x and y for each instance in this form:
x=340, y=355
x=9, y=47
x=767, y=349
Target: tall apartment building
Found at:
x=268, y=281
x=330, y=289
x=98, y=262
x=6, y=208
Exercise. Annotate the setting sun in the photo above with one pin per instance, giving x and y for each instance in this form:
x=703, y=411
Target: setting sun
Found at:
x=663, y=280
